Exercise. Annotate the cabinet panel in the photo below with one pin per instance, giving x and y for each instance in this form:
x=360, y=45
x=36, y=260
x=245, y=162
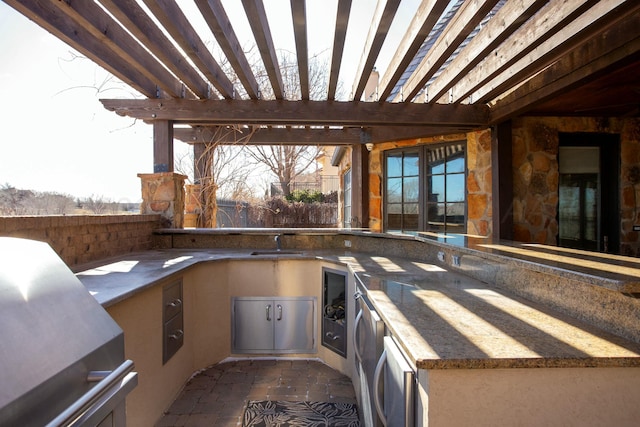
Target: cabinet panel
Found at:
x=283, y=325
x=294, y=324
x=252, y=324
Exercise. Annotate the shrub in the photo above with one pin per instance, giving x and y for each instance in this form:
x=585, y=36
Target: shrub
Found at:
x=305, y=196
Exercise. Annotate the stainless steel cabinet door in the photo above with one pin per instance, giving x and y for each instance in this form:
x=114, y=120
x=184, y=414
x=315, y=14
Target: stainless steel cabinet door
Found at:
x=252, y=325
x=264, y=325
x=294, y=325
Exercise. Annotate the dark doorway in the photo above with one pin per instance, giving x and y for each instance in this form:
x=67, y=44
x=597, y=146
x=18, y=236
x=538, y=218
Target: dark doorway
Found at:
x=588, y=193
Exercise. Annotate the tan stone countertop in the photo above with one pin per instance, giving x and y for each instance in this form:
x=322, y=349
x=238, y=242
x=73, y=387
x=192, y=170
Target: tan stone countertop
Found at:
x=608, y=271
x=442, y=319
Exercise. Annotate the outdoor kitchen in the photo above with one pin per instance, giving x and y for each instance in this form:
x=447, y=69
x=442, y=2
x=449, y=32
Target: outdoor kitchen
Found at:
x=482, y=268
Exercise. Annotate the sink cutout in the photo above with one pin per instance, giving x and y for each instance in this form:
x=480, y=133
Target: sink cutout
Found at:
x=276, y=252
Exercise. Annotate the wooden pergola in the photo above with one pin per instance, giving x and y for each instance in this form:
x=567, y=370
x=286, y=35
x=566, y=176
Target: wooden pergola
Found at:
x=531, y=56
x=461, y=66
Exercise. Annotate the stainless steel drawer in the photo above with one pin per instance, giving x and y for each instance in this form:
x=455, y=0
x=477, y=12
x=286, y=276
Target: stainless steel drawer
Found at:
x=334, y=336
x=172, y=300
x=173, y=337
x=172, y=320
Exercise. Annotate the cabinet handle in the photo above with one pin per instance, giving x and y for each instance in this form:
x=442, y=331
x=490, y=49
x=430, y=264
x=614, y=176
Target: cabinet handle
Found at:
x=279, y=312
x=177, y=334
x=268, y=308
x=356, y=350
x=175, y=303
x=331, y=336
x=376, y=386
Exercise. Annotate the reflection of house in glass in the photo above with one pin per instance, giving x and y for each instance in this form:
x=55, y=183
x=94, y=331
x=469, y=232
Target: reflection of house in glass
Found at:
x=446, y=188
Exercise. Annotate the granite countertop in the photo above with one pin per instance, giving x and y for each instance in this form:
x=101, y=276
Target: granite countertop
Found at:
x=441, y=318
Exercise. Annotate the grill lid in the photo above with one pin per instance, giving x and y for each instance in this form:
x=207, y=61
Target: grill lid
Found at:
x=53, y=332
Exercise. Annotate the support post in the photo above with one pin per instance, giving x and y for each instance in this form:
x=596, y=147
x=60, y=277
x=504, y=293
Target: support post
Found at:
x=502, y=181
x=162, y=146
x=163, y=190
x=360, y=184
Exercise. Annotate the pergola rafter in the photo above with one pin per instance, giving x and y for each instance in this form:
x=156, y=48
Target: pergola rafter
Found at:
x=469, y=72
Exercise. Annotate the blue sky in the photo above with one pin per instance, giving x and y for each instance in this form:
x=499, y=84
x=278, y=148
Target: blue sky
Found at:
x=58, y=137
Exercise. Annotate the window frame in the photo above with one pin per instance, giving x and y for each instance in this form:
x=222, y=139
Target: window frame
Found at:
x=423, y=204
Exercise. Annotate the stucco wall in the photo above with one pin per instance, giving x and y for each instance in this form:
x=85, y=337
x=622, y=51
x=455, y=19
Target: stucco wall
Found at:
x=207, y=293
x=535, y=176
x=529, y=397
x=79, y=239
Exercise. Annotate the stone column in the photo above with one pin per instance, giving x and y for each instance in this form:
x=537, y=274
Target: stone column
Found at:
x=163, y=193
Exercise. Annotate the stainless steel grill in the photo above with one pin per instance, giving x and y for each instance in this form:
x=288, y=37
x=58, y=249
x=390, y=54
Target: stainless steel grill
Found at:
x=61, y=354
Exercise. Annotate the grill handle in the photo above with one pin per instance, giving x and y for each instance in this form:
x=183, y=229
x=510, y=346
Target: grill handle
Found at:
x=107, y=379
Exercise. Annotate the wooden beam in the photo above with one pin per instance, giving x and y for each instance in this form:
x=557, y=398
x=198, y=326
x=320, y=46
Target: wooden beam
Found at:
x=305, y=113
x=218, y=21
x=48, y=16
x=465, y=20
x=584, y=27
x=299, y=17
x=141, y=26
x=95, y=20
x=552, y=18
x=259, y=24
x=380, y=24
x=308, y=136
x=507, y=20
x=268, y=136
x=176, y=23
x=616, y=45
x=422, y=23
x=342, y=21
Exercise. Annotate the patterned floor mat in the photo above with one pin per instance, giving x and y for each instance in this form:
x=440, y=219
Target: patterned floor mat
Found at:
x=267, y=413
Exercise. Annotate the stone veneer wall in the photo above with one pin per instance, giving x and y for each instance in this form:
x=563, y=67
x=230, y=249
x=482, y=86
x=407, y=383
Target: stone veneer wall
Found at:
x=79, y=239
x=478, y=178
x=535, y=176
x=479, y=190
x=163, y=193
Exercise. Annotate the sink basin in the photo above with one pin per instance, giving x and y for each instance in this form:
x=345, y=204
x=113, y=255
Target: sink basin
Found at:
x=275, y=252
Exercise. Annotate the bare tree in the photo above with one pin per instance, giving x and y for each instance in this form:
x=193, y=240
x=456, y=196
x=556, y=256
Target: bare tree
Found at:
x=13, y=201
x=223, y=172
x=47, y=203
x=286, y=162
x=225, y=168
x=96, y=204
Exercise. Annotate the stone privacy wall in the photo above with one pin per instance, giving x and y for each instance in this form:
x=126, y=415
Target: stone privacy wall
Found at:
x=535, y=176
x=478, y=178
x=80, y=239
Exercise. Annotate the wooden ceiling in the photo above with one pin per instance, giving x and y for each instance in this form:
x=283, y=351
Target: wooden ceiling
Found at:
x=571, y=57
